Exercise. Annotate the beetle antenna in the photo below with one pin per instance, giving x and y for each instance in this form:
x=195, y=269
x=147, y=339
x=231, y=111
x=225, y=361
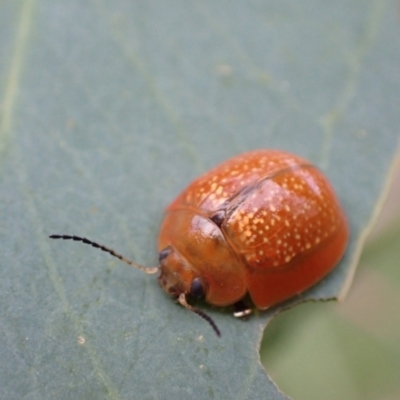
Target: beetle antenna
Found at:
x=107, y=250
x=202, y=314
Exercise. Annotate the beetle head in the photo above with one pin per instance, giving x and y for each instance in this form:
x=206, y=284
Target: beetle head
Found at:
x=177, y=276
x=178, y=280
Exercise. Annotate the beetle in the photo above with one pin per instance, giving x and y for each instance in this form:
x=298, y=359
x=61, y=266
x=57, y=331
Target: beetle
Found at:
x=265, y=223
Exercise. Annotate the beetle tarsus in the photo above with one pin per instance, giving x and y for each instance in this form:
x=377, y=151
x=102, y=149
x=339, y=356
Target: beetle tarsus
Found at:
x=241, y=310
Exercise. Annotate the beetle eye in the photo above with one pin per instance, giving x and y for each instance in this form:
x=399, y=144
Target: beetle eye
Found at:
x=164, y=254
x=196, y=288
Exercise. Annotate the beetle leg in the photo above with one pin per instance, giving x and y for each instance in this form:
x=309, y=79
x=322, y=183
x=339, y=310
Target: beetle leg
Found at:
x=241, y=310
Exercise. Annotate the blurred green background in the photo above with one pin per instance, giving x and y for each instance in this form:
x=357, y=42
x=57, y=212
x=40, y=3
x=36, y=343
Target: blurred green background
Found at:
x=348, y=350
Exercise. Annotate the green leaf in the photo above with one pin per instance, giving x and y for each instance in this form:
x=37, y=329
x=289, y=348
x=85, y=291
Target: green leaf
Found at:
x=108, y=110
x=348, y=350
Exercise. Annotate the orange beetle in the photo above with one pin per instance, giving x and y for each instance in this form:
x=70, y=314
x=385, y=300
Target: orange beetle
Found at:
x=266, y=223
